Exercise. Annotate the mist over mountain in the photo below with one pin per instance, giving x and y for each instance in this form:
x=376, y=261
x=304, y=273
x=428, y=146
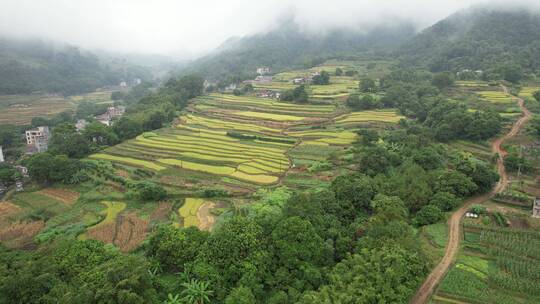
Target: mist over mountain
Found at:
x=28, y=66
x=288, y=47
x=481, y=38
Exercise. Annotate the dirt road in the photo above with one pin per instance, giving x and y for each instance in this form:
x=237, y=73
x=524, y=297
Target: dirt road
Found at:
x=454, y=222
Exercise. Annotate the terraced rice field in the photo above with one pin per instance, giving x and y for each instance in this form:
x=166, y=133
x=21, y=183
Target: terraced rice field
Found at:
x=325, y=137
x=384, y=116
x=340, y=86
x=239, y=139
x=201, y=144
x=495, y=96
x=246, y=103
x=269, y=116
x=471, y=83
x=20, y=109
x=527, y=92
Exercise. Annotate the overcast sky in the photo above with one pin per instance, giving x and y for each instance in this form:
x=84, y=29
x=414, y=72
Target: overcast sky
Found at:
x=195, y=26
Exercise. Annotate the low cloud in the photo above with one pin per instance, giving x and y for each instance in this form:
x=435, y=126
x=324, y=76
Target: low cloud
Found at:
x=188, y=28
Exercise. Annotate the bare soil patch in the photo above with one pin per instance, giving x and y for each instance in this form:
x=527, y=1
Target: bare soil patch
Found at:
x=130, y=232
x=104, y=232
x=206, y=219
x=122, y=173
x=161, y=212
x=64, y=195
x=19, y=235
x=7, y=209
x=126, y=233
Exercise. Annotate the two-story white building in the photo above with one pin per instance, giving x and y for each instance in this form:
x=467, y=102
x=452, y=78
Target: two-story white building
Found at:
x=41, y=132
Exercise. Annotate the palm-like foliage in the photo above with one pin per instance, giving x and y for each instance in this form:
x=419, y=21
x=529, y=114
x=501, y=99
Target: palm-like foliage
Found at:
x=173, y=299
x=196, y=292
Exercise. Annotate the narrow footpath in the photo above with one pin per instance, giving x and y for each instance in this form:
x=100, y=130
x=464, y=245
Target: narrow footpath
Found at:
x=454, y=222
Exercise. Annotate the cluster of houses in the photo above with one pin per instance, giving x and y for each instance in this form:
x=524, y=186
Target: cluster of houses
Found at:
x=106, y=118
x=37, y=139
x=126, y=84
x=261, y=79
x=111, y=113
x=477, y=73
x=268, y=94
x=306, y=79
x=18, y=183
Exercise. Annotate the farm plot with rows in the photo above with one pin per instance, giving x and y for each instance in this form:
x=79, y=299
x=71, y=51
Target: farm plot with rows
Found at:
x=499, y=265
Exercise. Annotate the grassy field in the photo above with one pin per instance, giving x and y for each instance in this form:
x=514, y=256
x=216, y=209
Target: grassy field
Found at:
x=20, y=109
x=39, y=201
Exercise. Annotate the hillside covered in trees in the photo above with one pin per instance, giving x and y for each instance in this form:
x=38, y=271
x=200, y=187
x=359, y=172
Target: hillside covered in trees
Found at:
x=289, y=46
x=498, y=42
x=31, y=65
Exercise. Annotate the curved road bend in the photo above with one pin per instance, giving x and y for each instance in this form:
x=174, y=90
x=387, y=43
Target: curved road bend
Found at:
x=454, y=222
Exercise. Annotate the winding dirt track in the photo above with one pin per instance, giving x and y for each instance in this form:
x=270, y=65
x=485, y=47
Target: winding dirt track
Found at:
x=454, y=222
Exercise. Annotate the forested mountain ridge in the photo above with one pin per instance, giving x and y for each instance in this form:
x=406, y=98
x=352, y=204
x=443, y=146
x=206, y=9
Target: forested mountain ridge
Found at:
x=480, y=38
x=290, y=47
x=31, y=65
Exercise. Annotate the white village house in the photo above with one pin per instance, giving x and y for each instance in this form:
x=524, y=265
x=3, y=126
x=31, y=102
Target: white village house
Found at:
x=37, y=140
x=31, y=135
x=112, y=113
x=263, y=70
x=1, y=155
